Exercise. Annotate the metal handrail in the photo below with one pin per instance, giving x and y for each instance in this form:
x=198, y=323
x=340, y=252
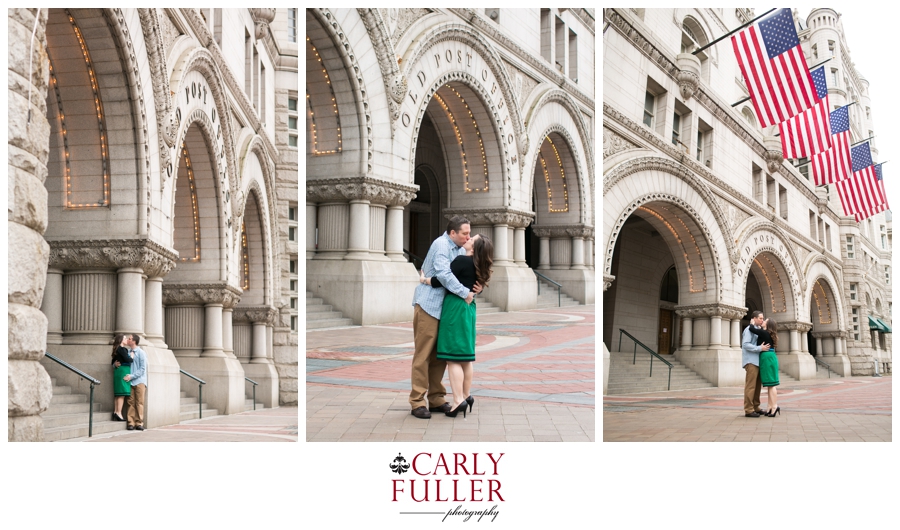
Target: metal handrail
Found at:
x=200, y=388
x=254, y=391
x=83, y=375
x=651, y=352
x=823, y=363
x=558, y=287
x=413, y=258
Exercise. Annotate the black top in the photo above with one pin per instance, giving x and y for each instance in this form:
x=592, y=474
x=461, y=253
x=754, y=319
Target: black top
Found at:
x=463, y=267
x=763, y=335
x=122, y=356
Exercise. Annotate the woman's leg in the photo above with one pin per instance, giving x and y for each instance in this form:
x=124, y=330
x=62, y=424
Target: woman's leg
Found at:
x=455, y=371
x=773, y=397
x=120, y=401
x=467, y=379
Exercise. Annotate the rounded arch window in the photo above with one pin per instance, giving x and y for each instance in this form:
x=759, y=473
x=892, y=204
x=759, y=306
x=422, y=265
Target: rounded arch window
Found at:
x=668, y=291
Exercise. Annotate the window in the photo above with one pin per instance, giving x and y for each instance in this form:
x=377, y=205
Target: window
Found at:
x=655, y=108
x=782, y=202
x=887, y=276
x=292, y=213
x=883, y=238
x=834, y=78
x=771, y=191
x=573, y=56
x=850, y=253
x=804, y=167
x=704, y=143
x=812, y=225
x=292, y=122
x=649, y=106
x=546, y=35
x=868, y=115
x=248, y=54
x=855, y=323
x=293, y=323
x=748, y=115
x=759, y=184
x=831, y=48
x=676, y=128
x=853, y=291
x=292, y=223
x=815, y=51
x=828, y=236
x=560, y=42
x=217, y=26
x=700, y=146
x=292, y=24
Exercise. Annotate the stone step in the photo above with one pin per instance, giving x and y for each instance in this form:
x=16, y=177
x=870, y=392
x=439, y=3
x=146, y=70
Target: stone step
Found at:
x=331, y=323
x=320, y=308
x=58, y=409
x=67, y=398
x=248, y=404
x=67, y=432
x=312, y=302
x=58, y=390
x=323, y=315
x=309, y=295
x=628, y=375
x=195, y=414
x=188, y=407
x=74, y=419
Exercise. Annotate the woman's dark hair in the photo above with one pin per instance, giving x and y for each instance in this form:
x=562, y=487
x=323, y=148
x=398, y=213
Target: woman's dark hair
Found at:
x=456, y=222
x=117, y=341
x=772, y=328
x=483, y=256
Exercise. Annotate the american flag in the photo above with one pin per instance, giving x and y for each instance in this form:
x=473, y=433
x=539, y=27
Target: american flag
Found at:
x=833, y=165
x=769, y=55
x=809, y=132
x=863, y=194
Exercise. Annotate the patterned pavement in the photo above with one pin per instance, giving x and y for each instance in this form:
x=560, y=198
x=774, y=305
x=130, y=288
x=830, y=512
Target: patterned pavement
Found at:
x=856, y=409
x=534, y=381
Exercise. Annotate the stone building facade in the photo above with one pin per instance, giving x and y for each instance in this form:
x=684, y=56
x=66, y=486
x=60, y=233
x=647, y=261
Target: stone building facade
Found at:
x=415, y=115
x=704, y=221
x=153, y=187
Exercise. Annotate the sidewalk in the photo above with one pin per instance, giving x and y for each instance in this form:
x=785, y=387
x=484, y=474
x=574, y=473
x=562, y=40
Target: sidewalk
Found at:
x=265, y=425
x=534, y=381
x=855, y=409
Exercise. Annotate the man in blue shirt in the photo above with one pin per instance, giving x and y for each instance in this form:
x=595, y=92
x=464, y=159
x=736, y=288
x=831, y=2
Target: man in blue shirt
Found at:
x=138, y=380
x=427, y=369
x=750, y=360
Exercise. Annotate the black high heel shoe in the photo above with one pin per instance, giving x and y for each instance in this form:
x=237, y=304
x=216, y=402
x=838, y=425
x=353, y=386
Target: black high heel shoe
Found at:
x=461, y=407
x=471, y=401
x=773, y=413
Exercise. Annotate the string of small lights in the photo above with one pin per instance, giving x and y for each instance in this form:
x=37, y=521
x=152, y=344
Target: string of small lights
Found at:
x=480, y=141
x=245, y=256
x=312, y=117
x=196, y=211
x=562, y=172
x=104, y=149
x=769, y=283
x=693, y=240
x=687, y=258
x=819, y=305
x=64, y=133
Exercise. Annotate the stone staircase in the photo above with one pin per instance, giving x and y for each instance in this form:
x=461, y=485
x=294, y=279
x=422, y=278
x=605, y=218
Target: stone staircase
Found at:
x=319, y=315
x=67, y=416
x=628, y=378
x=483, y=307
x=191, y=411
x=549, y=297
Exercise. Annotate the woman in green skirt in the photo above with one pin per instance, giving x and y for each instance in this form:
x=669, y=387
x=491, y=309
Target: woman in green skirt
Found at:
x=456, y=332
x=121, y=360
x=768, y=364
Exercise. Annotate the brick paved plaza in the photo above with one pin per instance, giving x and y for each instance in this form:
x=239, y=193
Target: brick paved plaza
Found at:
x=534, y=381
x=856, y=409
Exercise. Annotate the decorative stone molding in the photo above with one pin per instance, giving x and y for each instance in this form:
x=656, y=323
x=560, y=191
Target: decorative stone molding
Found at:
x=405, y=18
x=585, y=178
x=688, y=76
x=802, y=327
x=154, y=259
x=262, y=17
x=564, y=99
x=523, y=82
x=608, y=279
x=200, y=294
x=493, y=216
x=360, y=188
x=613, y=143
x=828, y=334
x=395, y=83
x=266, y=314
x=165, y=112
x=728, y=312
x=774, y=155
x=568, y=231
x=791, y=250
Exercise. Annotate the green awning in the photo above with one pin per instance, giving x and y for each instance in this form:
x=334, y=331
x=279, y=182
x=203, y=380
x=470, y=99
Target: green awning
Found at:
x=887, y=329
x=878, y=325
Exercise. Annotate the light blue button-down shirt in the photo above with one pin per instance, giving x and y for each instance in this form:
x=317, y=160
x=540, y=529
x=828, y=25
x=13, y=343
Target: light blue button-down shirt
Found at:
x=749, y=349
x=139, y=368
x=437, y=264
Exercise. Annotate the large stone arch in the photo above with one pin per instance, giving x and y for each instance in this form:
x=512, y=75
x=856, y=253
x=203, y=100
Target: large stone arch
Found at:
x=820, y=269
x=764, y=238
x=585, y=187
x=259, y=189
x=673, y=184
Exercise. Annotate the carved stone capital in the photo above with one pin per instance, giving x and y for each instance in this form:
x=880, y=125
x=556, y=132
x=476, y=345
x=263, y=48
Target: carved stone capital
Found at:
x=795, y=326
x=262, y=17
x=568, y=231
x=264, y=314
x=607, y=281
x=149, y=256
x=688, y=75
x=494, y=216
x=200, y=294
x=829, y=334
x=774, y=153
x=360, y=188
x=727, y=312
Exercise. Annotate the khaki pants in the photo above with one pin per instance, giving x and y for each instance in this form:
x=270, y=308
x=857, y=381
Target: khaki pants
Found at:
x=136, y=405
x=427, y=369
x=752, y=387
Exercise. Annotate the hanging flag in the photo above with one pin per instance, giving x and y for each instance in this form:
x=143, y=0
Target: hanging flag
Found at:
x=863, y=194
x=809, y=132
x=834, y=164
x=774, y=67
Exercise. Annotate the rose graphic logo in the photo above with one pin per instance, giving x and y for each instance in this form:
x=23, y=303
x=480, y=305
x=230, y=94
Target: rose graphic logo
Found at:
x=399, y=465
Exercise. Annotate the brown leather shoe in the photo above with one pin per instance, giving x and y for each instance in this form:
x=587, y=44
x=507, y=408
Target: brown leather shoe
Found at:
x=421, y=413
x=443, y=408
x=753, y=415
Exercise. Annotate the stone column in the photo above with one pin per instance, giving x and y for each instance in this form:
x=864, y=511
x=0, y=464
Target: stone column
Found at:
x=544, y=259
x=837, y=345
x=501, y=244
x=519, y=247
x=359, y=230
x=52, y=306
x=334, y=228
x=29, y=388
x=212, y=331
x=259, y=341
x=376, y=231
x=183, y=305
x=687, y=329
x=819, y=346
x=228, y=332
x=589, y=253
x=130, y=301
x=577, y=235
x=310, y=230
x=795, y=341
x=560, y=253
x=736, y=333
x=153, y=312
x=394, y=233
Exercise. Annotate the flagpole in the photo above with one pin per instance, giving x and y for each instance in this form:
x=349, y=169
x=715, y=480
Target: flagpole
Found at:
x=695, y=52
x=811, y=68
x=861, y=141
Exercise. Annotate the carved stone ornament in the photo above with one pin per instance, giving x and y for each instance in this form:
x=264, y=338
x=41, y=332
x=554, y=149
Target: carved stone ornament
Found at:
x=774, y=154
x=795, y=326
x=395, y=83
x=607, y=281
x=688, y=76
x=613, y=143
x=266, y=314
x=566, y=231
x=726, y=312
x=494, y=216
x=149, y=256
x=262, y=17
x=200, y=294
x=360, y=188
x=156, y=56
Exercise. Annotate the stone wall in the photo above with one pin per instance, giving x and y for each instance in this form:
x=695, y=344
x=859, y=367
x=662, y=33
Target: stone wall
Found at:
x=29, y=389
